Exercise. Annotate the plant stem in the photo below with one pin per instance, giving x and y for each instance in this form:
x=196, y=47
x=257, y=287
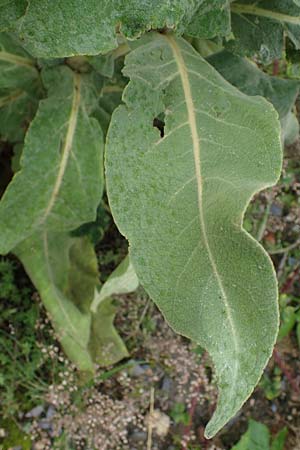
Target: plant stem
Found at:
x=17, y=60
x=150, y=420
x=275, y=67
x=256, y=11
x=290, y=280
x=187, y=429
x=262, y=228
x=285, y=249
x=285, y=370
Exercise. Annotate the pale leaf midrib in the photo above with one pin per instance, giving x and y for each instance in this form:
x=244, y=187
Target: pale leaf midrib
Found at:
x=67, y=147
x=6, y=100
x=17, y=60
x=269, y=14
x=196, y=151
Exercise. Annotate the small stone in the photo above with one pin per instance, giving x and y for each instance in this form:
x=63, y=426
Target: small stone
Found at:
x=167, y=384
x=50, y=412
x=276, y=210
x=35, y=412
x=45, y=425
x=138, y=436
x=273, y=407
x=138, y=370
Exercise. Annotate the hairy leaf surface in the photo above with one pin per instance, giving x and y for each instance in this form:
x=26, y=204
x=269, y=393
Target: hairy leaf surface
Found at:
x=123, y=280
x=111, y=98
x=60, y=183
x=20, y=89
x=90, y=28
x=258, y=27
x=65, y=272
x=66, y=28
x=179, y=194
x=66, y=289
x=248, y=78
x=10, y=12
x=108, y=347
x=17, y=67
x=212, y=19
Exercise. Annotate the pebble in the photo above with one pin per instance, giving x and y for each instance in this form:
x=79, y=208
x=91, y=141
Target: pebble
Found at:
x=138, y=436
x=273, y=407
x=167, y=384
x=139, y=370
x=45, y=425
x=35, y=412
x=276, y=210
x=50, y=412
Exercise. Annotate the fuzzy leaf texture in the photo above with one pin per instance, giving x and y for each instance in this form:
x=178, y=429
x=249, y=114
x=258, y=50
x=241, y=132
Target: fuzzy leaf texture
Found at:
x=108, y=346
x=258, y=27
x=180, y=201
x=57, y=187
x=65, y=272
x=123, y=280
x=68, y=27
x=20, y=89
x=60, y=182
x=211, y=19
x=10, y=12
x=51, y=261
x=248, y=78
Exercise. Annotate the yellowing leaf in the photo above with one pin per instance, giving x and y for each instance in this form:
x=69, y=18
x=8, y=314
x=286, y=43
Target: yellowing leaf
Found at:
x=65, y=272
x=49, y=261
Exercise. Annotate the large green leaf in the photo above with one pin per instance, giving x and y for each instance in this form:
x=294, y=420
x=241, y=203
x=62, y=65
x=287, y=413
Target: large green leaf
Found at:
x=67, y=291
x=17, y=67
x=109, y=347
x=65, y=272
x=90, y=27
x=60, y=182
x=212, y=19
x=258, y=27
x=123, y=280
x=66, y=27
x=106, y=346
x=10, y=12
x=16, y=110
x=180, y=200
x=20, y=89
x=248, y=78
